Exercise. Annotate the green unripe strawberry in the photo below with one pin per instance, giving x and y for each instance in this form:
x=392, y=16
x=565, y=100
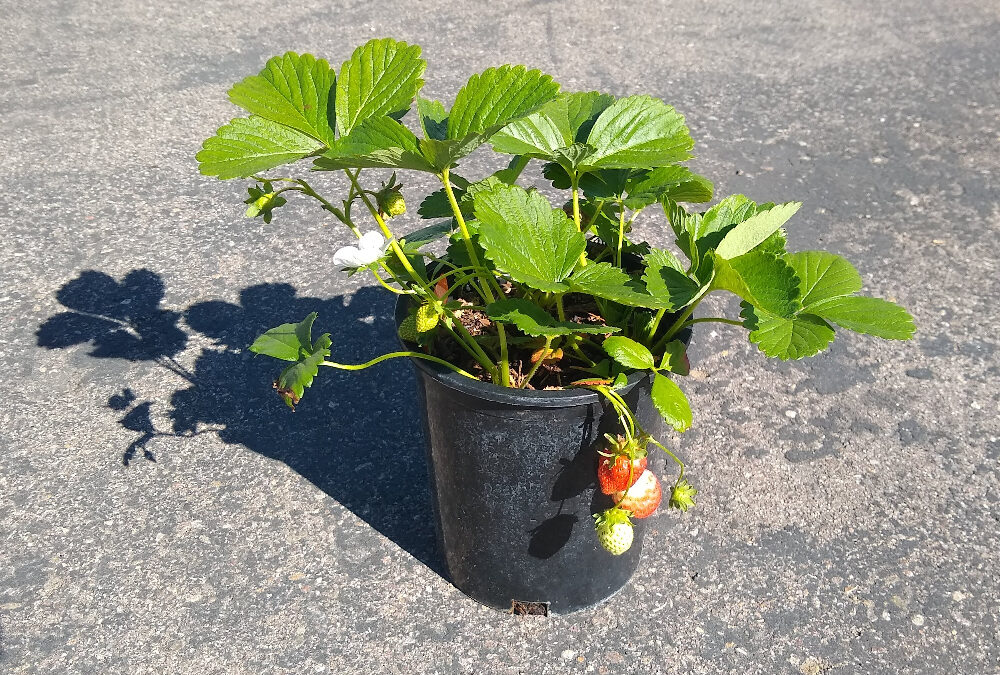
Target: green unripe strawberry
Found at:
x=392, y=204
x=408, y=329
x=426, y=318
x=614, y=530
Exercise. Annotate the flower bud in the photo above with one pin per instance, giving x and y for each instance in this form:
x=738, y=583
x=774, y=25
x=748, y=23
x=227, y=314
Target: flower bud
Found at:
x=392, y=203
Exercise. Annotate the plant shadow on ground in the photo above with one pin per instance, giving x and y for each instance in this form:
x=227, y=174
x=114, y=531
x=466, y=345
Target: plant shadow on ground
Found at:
x=354, y=436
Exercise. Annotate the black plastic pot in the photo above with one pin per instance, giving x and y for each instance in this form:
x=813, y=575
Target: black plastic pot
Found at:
x=513, y=477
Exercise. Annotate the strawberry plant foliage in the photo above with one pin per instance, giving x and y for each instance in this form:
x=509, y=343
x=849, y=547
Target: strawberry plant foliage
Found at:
x=506, y=284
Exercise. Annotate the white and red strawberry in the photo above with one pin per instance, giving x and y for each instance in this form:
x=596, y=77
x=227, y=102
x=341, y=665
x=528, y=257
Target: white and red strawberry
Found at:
x=643, y=497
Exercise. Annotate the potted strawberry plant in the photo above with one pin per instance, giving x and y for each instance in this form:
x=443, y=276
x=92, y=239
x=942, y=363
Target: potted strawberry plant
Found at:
x=548, y=340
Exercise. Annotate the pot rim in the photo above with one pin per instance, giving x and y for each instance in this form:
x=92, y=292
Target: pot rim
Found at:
x=537, y=398
x=487, y=391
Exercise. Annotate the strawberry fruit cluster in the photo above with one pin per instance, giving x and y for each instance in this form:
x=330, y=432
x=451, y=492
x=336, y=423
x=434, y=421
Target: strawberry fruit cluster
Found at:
x=623, y=474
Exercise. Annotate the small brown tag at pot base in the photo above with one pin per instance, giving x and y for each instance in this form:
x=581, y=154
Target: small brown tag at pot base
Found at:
x=522, y=608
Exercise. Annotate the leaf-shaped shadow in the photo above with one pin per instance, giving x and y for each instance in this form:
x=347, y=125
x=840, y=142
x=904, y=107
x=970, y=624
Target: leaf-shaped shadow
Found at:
x=121, y=320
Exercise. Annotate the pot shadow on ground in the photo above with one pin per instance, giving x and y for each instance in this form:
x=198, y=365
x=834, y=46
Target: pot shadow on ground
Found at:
x=355, y=436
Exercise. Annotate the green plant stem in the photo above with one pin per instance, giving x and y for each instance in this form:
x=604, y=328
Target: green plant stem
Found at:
x=559, y=307
x=306, y=189
x=504, y=364
x=386, y=232
x=344, y=218
x=672, y=455
x=597, y=212
x=447, y=274
x=537, y=364
x=621, y=233
x=470, y=345
x=716, y=319
x=466, y=340
x=463, y=228
x=679, y=323
x=397, y=291
x=574, y=178
x=393, y=355
x=624, y=412
x=575, y=346
x=655, y=326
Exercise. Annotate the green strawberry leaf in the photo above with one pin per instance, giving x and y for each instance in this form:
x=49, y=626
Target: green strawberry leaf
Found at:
x=433, y=118
x=294, y=379
x=685, y=226
x=823, y=276
x=775, y=244
x=666, y=281
x=583, y=109
x=826, y=284
x=601, y=184
x=487, y=102
x=675, y=358
x=540, y=135
x=376, y=142
x=249, y=145
x=629, y=353
x=535, y=321
x=556, y=131
x=525, y=237
x=765, y=281
x=710, y=228
x=496, y=97
x=754, y=230
x=443, y=154
x=795, y=338
x=293, y=90
x=281, y=343
x=303, y=332
x=381, y=78
x=674, y=183
x=287, y=342
x=426, y=235
x=872, y=316
x=604, y=280
x=671, y=403
x=722, y=216
x=638, y=131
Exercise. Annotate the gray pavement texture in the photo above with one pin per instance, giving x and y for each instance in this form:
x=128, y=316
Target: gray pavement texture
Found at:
x=160, y=512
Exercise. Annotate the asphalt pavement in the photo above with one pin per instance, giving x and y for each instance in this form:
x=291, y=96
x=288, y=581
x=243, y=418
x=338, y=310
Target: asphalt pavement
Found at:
x=161, y=512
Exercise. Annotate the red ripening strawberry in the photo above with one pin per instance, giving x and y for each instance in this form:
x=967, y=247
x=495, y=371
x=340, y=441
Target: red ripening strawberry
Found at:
x=643, y=497
x=618, y=473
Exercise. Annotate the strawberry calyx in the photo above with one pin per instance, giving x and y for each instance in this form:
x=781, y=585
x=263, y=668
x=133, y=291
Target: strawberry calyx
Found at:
x=611, y=516
x=682, y=495
x=620, y=446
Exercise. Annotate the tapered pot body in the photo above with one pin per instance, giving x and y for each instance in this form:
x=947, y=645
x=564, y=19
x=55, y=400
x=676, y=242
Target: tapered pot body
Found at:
x=513, y=477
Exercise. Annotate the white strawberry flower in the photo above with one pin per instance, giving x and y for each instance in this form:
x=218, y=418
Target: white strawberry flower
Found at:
x=371, y=247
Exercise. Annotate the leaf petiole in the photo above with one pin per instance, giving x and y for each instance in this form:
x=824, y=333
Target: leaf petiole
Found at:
x=393, y=355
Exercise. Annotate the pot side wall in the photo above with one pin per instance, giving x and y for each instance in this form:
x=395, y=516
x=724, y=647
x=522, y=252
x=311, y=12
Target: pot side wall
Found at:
x=515, y=490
